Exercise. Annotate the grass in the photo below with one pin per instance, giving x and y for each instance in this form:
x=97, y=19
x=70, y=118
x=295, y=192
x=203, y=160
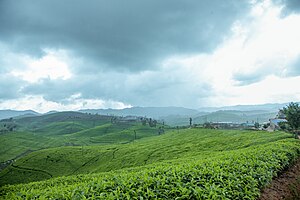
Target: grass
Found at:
x=233, y=174
x=61, y=128
x=16, y=143
x=67, y=129
x=188, y=143
x=78, y=156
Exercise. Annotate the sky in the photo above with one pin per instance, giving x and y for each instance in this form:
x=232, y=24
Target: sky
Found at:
x=74, y=54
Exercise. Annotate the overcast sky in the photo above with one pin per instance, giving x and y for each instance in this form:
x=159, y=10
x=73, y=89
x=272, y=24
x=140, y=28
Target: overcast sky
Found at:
x=74, y=54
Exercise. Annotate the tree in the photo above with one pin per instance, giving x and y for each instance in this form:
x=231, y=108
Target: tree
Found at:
x=154, y=123
x=256, y=125
x=208, y=125
x=284, y=126
x=150, y=122
x=292, y=114
x=144, y=122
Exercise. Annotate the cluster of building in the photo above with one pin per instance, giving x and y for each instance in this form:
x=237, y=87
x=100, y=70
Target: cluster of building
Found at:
x=271, y=125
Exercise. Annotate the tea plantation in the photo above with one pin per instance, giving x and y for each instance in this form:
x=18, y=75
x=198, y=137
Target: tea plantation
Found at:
x=180, y=164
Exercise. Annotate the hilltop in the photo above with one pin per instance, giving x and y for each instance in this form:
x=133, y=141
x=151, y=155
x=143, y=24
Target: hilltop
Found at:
x=68, y=129
x=4, y=114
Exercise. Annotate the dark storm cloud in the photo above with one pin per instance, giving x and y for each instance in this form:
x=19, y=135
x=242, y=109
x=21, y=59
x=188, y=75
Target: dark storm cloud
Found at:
x=292, y=5
x=53, y=90
x=90, y=86
x=154, y=89
x=10, y=87
x=130, y=35
x=289, y=6
x=247, y=79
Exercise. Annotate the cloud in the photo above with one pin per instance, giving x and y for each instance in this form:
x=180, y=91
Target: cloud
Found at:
x=289, y=6
x=267, y=46
x=166, y=87
x=10, y=87
x=48, y=66
x=247, y=79
x=294, y=68
x=131, y=36
x=74, y=54
x=39, y=104
x=271, y=89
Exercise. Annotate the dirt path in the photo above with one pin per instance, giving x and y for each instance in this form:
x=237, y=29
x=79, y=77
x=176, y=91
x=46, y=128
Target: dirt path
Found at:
x=7, y=163
x=286, y=186
x=31, y=169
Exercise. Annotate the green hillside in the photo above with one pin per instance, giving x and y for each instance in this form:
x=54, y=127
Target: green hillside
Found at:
x=174, y=145
x=16, y=144
x=61, y=128
x=78, y=156
x=68, y=129
x=236, y=116
x=191, y=164
x=48, y=123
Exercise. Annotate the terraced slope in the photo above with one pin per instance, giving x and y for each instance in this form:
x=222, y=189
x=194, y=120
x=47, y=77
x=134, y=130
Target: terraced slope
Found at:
x=68, y=129
x=174, y=145
x=189, y=164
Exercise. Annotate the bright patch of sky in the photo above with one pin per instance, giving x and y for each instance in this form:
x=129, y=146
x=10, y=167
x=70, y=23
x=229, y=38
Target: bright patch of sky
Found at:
x=39, y=104
x=50, y=66
x=252, y=66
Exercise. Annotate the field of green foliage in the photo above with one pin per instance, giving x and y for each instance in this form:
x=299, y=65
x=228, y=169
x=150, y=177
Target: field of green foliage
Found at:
x=234, y=174
x=176, y=144
x=67, y=129
x=183, y=164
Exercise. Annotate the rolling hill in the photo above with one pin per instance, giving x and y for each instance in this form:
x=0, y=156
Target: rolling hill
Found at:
x=81, y=155
x=68, y=129
x=177, y=116
x=236, y=116
x=4, y=114
x=269, y=107
x=216, y=163
x=153, y=112
x=70, y=160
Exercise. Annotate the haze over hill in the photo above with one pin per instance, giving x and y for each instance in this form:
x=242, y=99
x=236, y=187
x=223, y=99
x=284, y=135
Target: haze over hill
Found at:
x=175, y=116
x=270, y=107
x=180, y=116
x=4, y=114
x=154, y=112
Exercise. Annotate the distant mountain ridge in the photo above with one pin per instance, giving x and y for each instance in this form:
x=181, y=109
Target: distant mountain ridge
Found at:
x=178, y=115
x=274, y=107
x=236, y=116
x=4, y=114
x=154, y=112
